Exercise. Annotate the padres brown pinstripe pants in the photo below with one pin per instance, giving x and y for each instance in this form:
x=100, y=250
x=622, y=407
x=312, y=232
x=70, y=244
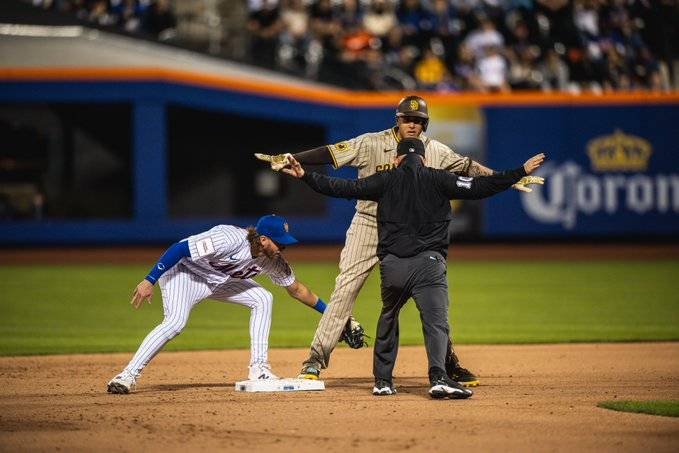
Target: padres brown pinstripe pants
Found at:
x=358, y=258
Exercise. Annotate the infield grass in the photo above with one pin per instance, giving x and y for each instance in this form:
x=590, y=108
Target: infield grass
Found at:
x=664, y=408
x=71, y=309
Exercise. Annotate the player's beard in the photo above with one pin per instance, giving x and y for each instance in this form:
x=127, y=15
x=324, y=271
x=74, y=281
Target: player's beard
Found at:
x=256, y=250
x=271, y=254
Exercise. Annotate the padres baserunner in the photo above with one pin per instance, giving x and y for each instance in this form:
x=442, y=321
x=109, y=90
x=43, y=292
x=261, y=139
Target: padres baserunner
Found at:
x=371, y=153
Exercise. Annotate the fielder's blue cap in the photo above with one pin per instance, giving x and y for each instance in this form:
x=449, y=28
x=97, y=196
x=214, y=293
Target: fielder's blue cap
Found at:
x=275, y=228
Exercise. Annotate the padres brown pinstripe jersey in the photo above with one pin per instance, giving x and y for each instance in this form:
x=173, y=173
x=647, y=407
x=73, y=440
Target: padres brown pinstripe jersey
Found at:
x=375, y=151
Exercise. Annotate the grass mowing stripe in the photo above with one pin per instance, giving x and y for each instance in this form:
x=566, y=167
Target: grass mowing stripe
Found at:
x=65, y=309
x=664, y=408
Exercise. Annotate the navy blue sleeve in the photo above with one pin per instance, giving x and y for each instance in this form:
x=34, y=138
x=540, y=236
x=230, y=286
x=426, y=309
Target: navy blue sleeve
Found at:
x=172, y=255
x=369, y=188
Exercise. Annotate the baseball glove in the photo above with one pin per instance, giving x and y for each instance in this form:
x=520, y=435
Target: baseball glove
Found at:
x=354, y=334
x=277, y=161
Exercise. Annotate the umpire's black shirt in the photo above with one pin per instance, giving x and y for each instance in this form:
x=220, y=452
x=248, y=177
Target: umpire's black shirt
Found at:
x=413, y=208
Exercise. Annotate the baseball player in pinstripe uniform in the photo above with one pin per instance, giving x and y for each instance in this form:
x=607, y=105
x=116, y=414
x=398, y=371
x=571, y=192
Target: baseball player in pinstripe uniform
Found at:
x=371, y=153
x=218, y=264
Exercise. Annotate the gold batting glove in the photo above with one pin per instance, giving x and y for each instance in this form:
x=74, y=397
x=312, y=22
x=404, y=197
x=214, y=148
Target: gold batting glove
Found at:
x=523, y=183
x=277, y=161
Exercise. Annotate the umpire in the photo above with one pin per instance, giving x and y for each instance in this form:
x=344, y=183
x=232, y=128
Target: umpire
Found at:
x=413, y=213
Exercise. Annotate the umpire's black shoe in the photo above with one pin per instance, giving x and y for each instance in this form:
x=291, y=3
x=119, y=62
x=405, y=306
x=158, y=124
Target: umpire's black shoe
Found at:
x=463, y=376
x=383, y=387
x=444, y=387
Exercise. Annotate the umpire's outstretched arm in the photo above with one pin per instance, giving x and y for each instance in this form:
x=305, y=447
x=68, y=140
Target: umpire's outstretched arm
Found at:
x=463, y=188
x=370, y=188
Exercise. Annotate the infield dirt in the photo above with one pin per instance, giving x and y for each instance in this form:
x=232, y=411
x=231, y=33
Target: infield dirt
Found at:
x=532, y=398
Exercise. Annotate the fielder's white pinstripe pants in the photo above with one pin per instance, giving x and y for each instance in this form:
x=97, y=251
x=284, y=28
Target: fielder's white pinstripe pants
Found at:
x=182, y=290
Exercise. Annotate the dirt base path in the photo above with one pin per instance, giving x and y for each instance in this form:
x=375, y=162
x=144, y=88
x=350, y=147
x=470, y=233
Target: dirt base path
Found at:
x=532, y=398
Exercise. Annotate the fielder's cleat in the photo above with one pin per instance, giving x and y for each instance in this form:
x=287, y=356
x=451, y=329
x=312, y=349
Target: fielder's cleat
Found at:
x=444, y=387
x=260, y=371
x=309, y=372
x=122, y=384
x=383, y=388
x=463, y=376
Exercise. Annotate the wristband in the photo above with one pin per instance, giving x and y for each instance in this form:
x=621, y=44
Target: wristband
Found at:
x=320, y=305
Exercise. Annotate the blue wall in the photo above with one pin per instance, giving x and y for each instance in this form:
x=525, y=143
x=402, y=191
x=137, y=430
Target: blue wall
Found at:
x=577, y=201
x=151, y=222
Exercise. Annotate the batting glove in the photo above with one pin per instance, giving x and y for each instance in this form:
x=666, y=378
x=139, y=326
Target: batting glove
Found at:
x=523, y=183
x=277, y=161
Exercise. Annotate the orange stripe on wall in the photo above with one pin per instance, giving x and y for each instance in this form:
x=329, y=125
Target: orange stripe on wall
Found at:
x=329, y=96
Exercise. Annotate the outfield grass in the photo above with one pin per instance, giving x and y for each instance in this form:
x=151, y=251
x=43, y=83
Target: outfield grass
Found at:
x=664, y=408
x=67, y=309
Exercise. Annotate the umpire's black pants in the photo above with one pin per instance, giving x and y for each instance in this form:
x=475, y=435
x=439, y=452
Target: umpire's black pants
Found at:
x=422, y=277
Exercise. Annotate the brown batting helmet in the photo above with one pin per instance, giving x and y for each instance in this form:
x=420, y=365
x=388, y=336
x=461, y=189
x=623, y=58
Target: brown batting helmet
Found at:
x=413, y=106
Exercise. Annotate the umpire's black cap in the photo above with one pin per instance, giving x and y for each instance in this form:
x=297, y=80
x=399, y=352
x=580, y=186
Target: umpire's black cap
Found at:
x=410, y=146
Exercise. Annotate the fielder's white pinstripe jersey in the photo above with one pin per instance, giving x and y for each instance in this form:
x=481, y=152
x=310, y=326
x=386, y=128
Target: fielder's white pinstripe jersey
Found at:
x=223, y=253
x=375, y=151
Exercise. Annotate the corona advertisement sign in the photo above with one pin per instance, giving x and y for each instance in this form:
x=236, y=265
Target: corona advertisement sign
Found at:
x=616, y=183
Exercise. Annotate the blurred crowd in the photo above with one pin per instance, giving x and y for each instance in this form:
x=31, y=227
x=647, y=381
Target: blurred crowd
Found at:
x=152, y=17
x=442, y=45
x=471, y=45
